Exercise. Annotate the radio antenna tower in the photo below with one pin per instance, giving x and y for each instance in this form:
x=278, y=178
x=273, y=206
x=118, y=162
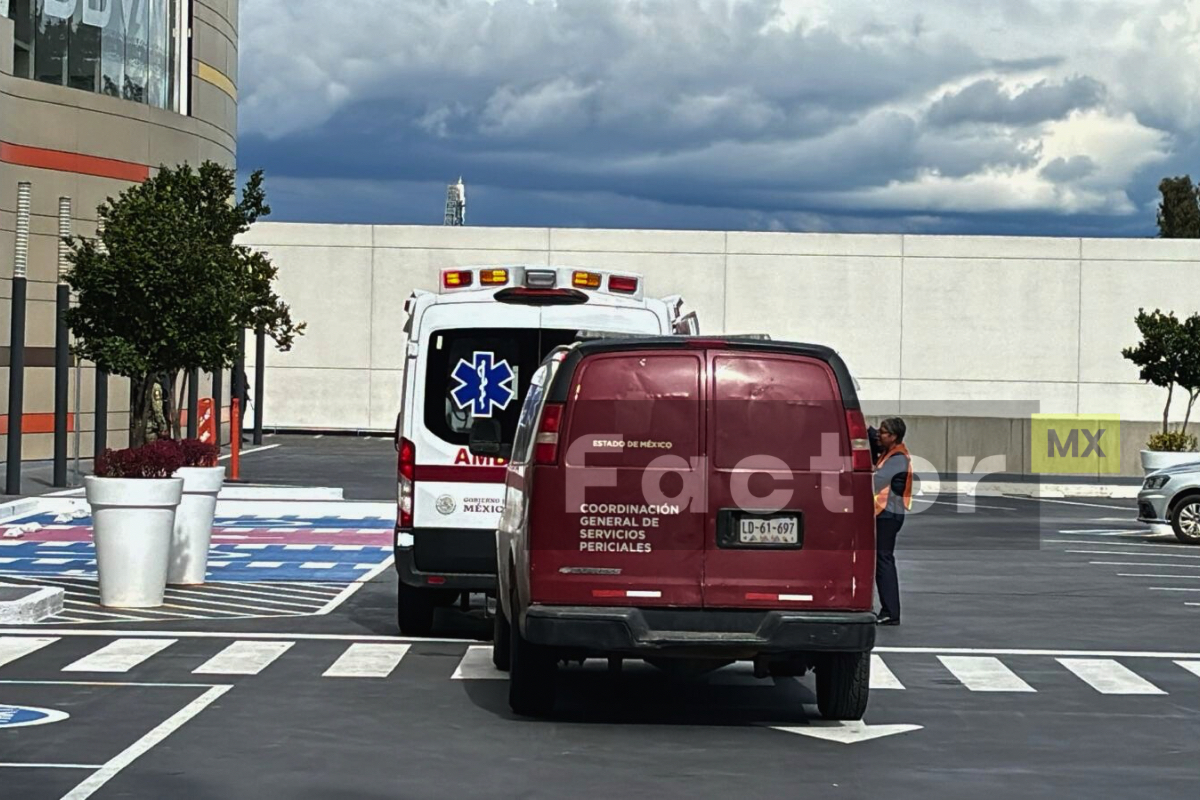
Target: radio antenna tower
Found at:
x=456, y=203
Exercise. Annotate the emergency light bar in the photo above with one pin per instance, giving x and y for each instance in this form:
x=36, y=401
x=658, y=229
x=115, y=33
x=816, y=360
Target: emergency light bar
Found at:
x=560, y=279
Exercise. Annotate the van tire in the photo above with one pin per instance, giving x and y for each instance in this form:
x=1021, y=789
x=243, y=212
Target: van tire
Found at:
x=843, y=684
x=531, y=676
x=501, y=640
x=414, y=610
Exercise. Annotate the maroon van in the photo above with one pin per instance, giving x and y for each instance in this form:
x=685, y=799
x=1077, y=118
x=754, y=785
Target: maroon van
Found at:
x=690, y=502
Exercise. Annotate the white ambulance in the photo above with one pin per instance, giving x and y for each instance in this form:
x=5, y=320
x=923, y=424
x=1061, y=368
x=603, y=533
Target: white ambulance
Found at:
x=473, y=347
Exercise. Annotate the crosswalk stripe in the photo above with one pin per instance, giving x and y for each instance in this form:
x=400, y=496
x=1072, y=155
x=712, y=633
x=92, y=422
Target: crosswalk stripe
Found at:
x=243, y=658
x=366, y=660
x=881, y=676
x=477, y=664
x=14, y=647
x=1191, y=666
x=120, y=656
x=1108, y=676
x=319, y=565
x=984, y=674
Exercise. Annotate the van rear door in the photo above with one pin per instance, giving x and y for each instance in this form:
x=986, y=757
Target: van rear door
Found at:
x=607, y=524
x=782, y=529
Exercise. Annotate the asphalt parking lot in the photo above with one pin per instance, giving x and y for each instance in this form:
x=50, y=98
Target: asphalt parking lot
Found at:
x=1049, y=649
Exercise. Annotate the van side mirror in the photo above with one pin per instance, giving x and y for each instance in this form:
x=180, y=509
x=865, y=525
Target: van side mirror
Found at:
x=485, y=439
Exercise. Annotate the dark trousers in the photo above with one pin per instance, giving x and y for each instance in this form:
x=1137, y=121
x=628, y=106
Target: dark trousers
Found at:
x=886, y=528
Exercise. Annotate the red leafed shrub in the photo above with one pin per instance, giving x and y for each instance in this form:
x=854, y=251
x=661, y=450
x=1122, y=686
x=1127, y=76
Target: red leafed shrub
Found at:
x=198, y=454
x=159, y=459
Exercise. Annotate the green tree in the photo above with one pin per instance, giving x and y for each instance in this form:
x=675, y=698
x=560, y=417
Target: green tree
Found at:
x=165, y=290
x=1179, y=211
x=1165, y=356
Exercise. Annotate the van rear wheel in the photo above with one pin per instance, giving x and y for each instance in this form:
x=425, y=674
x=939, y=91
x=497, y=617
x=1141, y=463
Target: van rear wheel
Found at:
x=501, y=639
x=531, y=676
x=414, y=610
x=843, y=684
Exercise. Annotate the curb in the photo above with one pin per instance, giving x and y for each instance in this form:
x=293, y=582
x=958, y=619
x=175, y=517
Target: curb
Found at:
x=46, y=601
x=1115, y=491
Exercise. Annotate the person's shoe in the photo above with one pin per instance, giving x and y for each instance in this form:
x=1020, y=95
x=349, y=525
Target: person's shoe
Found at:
x=883, y=620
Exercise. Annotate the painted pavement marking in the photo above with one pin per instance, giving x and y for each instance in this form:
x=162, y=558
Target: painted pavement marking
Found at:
x=1191, y=666
x=14, y=647
x=984, y=674
x=120, y=656
x=143, y=745
x=1108, y=676
x=881, y=676
x=243, y=658
x=367, y=660
x=476, y=664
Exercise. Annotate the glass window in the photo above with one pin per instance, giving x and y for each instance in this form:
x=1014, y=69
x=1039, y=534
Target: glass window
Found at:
x=451, y=402
x=121, y=48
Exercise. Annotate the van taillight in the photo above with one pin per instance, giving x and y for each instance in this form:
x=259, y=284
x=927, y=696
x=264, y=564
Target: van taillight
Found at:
x=545, y=449
x=405, y=469
x=860, y=445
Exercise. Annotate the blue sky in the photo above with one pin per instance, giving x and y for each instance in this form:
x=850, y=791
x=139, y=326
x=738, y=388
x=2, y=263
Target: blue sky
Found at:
x=992, y=116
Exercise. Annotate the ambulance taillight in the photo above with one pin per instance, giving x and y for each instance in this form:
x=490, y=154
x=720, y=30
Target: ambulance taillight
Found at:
x=406, y=469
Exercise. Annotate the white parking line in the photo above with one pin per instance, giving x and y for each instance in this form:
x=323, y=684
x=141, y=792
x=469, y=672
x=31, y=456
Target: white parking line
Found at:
x=1107, y=676
x=1148, y=575
x=264, y=565
x=144, y=744
x=119, y=656
x=18, y=765
x=1128, y=553
x=1145, y=564
x=300, y=546
x=1106, y=543
x=14, y=647
x=984, y=674
x=243, y=658
x=366, y=660
x=251, y=451
x=477, y=664
x=1172, y=589
x=1191, y=666
x=881, y=676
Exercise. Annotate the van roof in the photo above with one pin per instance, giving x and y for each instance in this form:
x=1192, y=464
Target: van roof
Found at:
x=559, y=390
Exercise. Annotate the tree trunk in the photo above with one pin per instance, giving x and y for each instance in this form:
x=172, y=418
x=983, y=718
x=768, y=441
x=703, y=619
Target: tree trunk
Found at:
x=174, y=400
x=141, y=395
x=1191, y=402
x=1167, y=410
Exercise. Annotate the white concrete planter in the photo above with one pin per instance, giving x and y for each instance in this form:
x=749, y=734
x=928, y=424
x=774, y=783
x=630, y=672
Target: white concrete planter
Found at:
x=1154, y=460
x=193, y=524
x=132, y=520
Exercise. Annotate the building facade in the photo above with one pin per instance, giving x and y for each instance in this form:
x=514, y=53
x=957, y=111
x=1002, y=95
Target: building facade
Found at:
x=966, y=336
x=95, y=95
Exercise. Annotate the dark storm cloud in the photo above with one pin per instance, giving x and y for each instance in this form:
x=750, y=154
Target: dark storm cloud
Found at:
x=986, y=101
x=610, y=112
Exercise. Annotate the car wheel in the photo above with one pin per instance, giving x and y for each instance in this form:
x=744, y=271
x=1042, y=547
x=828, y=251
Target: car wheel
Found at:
x=1185, y=520
x=414, y=610
x=501, y=639
x=531, y=676
x=843, y=685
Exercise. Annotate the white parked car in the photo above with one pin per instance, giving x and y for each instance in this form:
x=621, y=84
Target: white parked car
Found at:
x=1171, y=496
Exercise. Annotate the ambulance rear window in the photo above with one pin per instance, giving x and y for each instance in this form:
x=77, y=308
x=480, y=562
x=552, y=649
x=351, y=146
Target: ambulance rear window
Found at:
x=482, y=372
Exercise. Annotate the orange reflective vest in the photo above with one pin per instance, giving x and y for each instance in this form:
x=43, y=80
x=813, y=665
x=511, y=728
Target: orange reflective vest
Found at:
x=884, y=493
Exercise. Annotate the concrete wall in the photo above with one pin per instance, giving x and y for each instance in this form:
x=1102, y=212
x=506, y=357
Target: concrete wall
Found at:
x=940, y=327
x=54, y=121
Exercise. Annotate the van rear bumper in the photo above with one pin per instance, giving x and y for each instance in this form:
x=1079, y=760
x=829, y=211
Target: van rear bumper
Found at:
x=717, y=632
x=448, y=558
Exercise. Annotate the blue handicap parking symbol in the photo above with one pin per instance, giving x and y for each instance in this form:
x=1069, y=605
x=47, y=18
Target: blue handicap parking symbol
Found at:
x=483, y=384
x=22, y=716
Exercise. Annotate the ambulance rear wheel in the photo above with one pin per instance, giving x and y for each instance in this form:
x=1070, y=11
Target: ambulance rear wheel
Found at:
x=531, y=677
x=501, y=639
x=414, y=610
x=843, y=685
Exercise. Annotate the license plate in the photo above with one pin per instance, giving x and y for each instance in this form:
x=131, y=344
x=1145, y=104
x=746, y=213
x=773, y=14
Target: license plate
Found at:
x=776, y=530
